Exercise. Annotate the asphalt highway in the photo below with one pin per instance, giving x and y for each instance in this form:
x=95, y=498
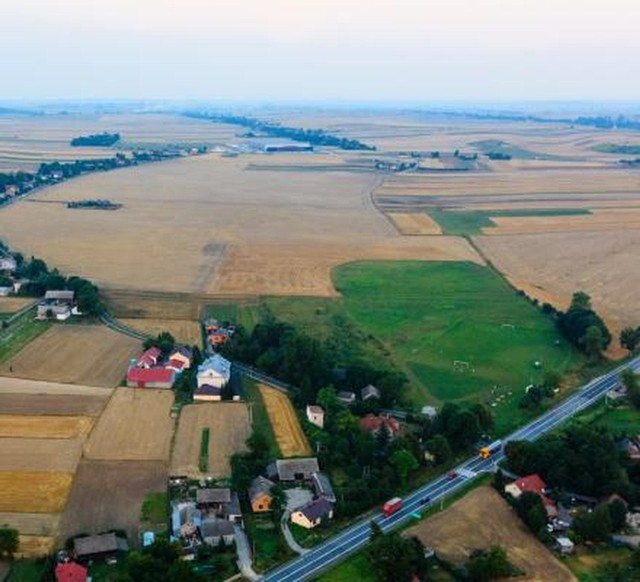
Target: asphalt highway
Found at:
x=352, y=539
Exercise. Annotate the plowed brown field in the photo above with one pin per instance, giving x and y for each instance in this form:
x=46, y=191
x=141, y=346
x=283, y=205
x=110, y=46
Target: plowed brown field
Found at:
x=286, y=426
x=79, y=354
x=135, y=426
x=482, y=519
x=29, y=454
x=415, y=223
x=229, y=429
x=187, y=332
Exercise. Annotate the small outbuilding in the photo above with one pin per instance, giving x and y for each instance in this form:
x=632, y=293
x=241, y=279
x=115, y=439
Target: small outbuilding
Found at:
x=369, y=392
x=99, y=547
x=564, y=545
x=260, y=495
x=315, y=415
x=296, y=469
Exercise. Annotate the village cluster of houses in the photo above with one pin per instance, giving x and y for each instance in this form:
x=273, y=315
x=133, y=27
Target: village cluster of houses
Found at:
x=212, y=517
x=150, y=371
x=217, y=333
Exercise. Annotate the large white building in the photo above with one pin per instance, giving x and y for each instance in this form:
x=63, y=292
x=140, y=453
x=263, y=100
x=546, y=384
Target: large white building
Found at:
x=215, y=371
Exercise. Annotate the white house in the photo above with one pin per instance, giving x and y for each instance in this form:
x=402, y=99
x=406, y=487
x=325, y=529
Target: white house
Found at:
x=215, y=371
x=315, y=415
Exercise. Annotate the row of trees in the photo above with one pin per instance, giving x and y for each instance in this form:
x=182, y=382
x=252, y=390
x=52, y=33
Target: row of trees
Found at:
x=104, y=139
x=282, y=350
x=312, y=136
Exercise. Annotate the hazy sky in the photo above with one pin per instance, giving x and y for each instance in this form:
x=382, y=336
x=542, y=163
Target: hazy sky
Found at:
x=372, y=50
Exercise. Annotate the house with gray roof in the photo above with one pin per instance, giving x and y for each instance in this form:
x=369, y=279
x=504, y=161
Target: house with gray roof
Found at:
x=313, y=513
x=322, y=486
x=213, y=530
x=99, y=547
x=260, y=495
x=296, y=469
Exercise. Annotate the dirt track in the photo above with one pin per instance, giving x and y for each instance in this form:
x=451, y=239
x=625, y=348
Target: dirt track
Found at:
x=482, y=519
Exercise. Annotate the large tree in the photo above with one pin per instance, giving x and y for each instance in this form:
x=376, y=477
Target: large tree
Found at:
x=630, y=338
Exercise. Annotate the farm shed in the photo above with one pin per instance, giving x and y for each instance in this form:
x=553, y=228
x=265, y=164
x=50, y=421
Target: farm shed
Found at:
x=315, y=415
x=296, y=469
x=150, y=378
x=207, y=393
x=99, y=547
x=213, y=530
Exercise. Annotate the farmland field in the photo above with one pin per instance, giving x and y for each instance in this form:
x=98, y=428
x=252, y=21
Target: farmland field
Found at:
x=482, y=519
x=228, y=423
x=135, y=426
x=43, y=427
x=22, y=331
x=186, y=332
x=109, y=494
x=13, y=304
x=39, y=454
x=51, y=404
x=286, y=426
x=33, y=491
x=28, y=387
x=35, y=546
x=40, y=524
x=78, y=354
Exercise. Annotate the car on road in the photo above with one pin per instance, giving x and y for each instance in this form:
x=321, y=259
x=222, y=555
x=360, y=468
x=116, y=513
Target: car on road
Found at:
x=451, y=475
x=425, y=500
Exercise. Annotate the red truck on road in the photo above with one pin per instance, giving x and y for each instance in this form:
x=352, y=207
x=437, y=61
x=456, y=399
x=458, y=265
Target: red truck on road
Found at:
x=391, y=506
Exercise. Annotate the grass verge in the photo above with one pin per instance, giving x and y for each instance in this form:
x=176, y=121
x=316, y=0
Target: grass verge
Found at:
x=19, y=333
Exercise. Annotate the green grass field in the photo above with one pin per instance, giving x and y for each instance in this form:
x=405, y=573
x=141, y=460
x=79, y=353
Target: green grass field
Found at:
x=17, y=335
x=619, y=420
x=471, y=222
x=425, y=317
x=585, y=566
x=260, y=417
x=432, y=315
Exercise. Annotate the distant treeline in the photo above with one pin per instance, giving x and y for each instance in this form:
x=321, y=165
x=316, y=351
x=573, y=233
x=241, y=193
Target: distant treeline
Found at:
x=599, y=121
x=624, y=149
x=313, y=136
x=96, y=140
x=100, y=204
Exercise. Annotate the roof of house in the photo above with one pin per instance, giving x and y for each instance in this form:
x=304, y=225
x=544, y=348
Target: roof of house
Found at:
x=183, y=350
x=70, y=572
x=316, y=508
x=311, y=409
x=370, y=391
x=99, y=544
x=68, y=295
x=373, y=423
x=150, y=356
x=177, y=364
x=287, y=468
x=233, y=507
x=207, y=390
x=531, y=484
x=322, y=486
x=148, y=375
x=213, y=495
x=211, y=528
x=218, y=364
x=260, y=486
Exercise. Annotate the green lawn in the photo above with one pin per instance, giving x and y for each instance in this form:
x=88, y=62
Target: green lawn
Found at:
x=355, y=568
x=155, y=507
x=471, y=222
x=260, y=417
x=269, y=545
x=584, y=566
x=432, y=315
x=26, y=571
x=17, y=335
x=619, y=420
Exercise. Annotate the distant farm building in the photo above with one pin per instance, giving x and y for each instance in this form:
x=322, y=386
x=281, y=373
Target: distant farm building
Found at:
x=288, y=147
x=207, y=393
x=99, y=547
x=369, y=392
x=57, y=304
x=374, y=424
x=315, y=415
x=156, y=377
x=215, y=371
x=294, y=469
x=260, y=495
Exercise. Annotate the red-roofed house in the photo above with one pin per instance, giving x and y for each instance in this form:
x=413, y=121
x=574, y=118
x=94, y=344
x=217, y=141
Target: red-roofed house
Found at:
x=175, y=365
x=71, y=572
x=150, y=377
x=183, y=354
x=373, y=424
x=149, y=358
x=529, y=484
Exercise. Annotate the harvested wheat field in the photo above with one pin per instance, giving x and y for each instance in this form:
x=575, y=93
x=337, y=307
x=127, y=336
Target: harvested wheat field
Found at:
x=77, y=354
x=109, y=494
x=284, y=420
x=414, y=223
x=218, y=211
x=28, y=387
x=186, y=332
x=33, y=491
x=44, y=427
x=38, y=454
x=135, y=426
x=13, y=304
x=306, y=270
x=598, y=220
x=35, y=546
x=482, y=519
x=229, y=429
x=604, y=265
x=34, y=524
